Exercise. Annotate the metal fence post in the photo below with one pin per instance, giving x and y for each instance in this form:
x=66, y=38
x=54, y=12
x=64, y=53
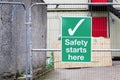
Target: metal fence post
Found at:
x=30, y=25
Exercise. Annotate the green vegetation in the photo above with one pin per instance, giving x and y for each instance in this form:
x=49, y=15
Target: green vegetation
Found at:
x=50, y=61
x=19, y=74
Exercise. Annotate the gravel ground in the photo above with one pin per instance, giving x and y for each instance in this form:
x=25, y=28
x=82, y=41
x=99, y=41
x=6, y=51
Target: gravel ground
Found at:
x=97, y=73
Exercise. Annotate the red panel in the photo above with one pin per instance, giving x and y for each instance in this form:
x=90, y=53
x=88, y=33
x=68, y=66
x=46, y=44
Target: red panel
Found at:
x=99, y=0
x=99, y=26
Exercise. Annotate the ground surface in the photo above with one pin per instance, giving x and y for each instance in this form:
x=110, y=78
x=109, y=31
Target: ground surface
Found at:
x=98, y=73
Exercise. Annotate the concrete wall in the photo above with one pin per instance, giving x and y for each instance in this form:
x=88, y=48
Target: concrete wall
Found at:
x=39, y=24
x=12, y=38
x=7, y=55
x=39, y=20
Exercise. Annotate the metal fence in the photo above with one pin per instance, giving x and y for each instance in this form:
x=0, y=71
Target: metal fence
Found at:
x=54, y=14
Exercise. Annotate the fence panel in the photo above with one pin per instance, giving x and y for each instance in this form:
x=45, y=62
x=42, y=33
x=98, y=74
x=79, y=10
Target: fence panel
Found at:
x=104, y=37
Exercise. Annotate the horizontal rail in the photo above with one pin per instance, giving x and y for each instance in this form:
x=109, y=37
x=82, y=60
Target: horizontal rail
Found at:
x=106, y=50
x=94, y=50
x=48, y=50
x=89, y=3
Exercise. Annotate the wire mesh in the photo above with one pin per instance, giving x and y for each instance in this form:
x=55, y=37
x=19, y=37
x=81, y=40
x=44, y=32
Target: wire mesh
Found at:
x=105, y=38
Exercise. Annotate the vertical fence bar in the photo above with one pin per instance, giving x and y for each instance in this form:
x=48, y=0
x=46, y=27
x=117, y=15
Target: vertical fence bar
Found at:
x=26, y=47
x=31, y=59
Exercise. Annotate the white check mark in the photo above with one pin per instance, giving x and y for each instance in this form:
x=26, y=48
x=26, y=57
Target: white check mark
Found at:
x=71, y=32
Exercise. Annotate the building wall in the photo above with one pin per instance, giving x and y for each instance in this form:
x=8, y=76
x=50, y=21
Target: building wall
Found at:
x=39, y=36
x=54, y=22
x=114, y=31
x=54, y=18
x=114, y=34
x=54, y=27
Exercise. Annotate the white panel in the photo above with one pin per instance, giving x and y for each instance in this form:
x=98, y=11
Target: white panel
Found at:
x=115, y=33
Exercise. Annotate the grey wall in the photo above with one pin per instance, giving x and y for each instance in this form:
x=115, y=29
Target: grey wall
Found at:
x=39, y=34
x=7, y=55
x=39, y=24
x=12, y=38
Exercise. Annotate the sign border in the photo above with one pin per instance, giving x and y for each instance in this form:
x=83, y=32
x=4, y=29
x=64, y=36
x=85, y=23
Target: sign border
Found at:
x=83, y=37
